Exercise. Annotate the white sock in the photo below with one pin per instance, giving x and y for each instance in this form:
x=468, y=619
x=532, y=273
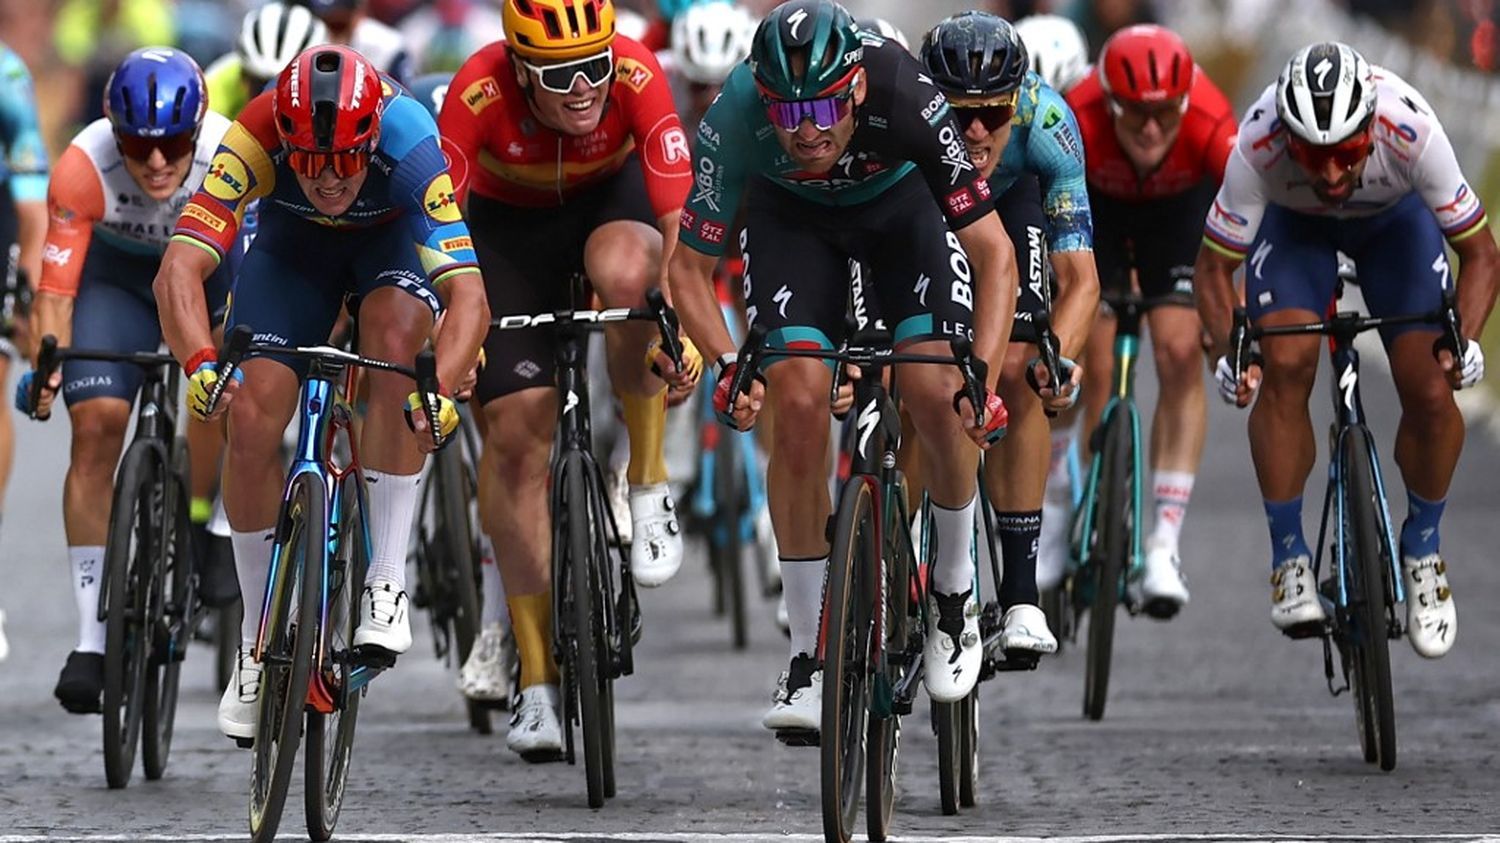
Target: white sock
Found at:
x=88, y=578
x=493, y=608
x=953, y=530
x=1059, y=483
x=252, y=566
x=393, y=503
x=1171, y=489
x=802, y=582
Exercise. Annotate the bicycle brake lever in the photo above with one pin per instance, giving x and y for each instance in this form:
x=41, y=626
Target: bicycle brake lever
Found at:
x=46, y=363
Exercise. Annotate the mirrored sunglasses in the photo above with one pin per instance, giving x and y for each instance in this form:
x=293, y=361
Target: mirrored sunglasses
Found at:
x=311, y=165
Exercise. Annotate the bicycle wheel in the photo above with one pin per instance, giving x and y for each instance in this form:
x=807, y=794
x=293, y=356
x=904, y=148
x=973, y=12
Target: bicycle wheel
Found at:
x=128, y=559
x=588, y=636
x=286, y=659
x=847, y=603
x=174, y=623
x=945, y=725
x=330, y=736
x=1113, y=526
x=1369, y=572
x=459, y=566
x=968, y=750
x=884, y=740
x=729, y=505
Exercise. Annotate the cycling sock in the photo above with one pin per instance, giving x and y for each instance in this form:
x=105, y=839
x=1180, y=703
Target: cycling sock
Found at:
x=88, y=577
x=802, y=583
x=492, y=595
x=531, y=620
x=200, y=510
x=393, y=503
x=953, y=554
x=646, y=420
x=1172, y=490
x=1287, y=540
x=252, y=563
x=1419, y=533
x=1059, y=481
x=1018, y=532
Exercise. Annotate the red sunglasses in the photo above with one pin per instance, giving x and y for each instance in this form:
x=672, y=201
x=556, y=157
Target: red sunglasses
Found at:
x=140, y=147
x=310, y=165
x=1345, y=155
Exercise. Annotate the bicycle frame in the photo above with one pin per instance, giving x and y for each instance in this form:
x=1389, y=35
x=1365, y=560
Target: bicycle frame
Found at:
x=755, y=484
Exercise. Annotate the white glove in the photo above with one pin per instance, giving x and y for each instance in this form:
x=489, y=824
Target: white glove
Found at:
x=1471, y=367
x=1229, y=381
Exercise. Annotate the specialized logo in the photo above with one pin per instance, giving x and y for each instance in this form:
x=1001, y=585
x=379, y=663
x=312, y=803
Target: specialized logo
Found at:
x=1321, y=70
x=1258, y=260
x=456, y=244
x=481, y=93
x=923, y=282
x=201, y=214
x=632, y=73
x=440, y=202
x=1347, y=382
x=228, y=178
x=795, y=21
x=571, y=403
x=782, y=297
x=867, y=421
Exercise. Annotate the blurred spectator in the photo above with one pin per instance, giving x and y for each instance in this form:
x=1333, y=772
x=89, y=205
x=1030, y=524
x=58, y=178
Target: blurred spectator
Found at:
x=92, y=36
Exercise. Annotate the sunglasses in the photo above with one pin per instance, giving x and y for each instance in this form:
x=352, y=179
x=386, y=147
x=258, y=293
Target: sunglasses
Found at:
x=1135, y=115
x=824, y=112
x=173, y=147
x=559, y=78
x=1345, y=156
x=992, y=114
x=310, y=165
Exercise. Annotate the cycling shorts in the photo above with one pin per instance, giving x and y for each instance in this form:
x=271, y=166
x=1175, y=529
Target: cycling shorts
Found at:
x=298, y=274
x=116, y=311
x=799, y=257
x=1158, y=238
x=1398, y=255
x=529, y=257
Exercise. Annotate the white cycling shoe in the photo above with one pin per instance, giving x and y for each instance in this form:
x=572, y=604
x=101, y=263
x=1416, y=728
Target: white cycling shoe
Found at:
x=797, y=702
x=535, y=731
x=1431, y=617
x=1296, y=606
x=1023, y=629
x=953, y=650
x=384, y=618
x=1162, y=590
x=485, y=676
x=239, y=707
x=656, y=541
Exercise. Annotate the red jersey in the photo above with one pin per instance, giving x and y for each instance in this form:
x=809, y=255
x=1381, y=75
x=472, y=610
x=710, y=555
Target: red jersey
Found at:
x=1203, y=143
x=512, y=158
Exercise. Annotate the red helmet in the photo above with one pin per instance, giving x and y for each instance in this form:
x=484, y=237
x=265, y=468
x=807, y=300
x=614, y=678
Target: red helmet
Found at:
x=328, y=100
x=1145, y=63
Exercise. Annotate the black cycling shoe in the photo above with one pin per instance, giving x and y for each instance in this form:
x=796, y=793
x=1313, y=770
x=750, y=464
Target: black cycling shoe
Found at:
x=81, y=683
x=218, y=586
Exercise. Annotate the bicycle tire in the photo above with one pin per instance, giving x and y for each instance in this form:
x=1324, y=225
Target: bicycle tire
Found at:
x=127, y=561
x=883, y=744
x=460, y=563
x=968, y=750
x=173, y=632
x=729, y=507
x=327, y=761
x=287, y=656
x=588, y=643
x=945, y=726
x=1113, y=527
x=1367, y=609
x=846, y=686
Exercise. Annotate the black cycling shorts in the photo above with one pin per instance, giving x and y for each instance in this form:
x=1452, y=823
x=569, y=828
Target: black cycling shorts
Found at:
x=529, y=257
x=800, y=256
x=1158, y=238
x=1020, y=209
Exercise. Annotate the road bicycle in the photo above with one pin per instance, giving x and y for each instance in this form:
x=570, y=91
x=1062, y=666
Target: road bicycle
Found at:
x=1362, y=586
x=148, y=600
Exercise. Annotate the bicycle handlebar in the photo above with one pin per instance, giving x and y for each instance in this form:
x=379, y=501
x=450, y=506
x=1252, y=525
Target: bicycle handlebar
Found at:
x=656, y=310
x=50, y=357
x=1049, y=349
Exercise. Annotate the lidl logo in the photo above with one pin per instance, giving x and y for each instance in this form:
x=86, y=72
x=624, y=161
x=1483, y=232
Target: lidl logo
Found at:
x=440, y=202
x=228, y=178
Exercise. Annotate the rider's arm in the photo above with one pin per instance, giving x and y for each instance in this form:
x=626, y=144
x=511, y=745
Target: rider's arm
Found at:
x=1077, y=299
x=1478, y=261
x=1228, y=231
x=26, y=160
x=691, y=277
x=1213, y=289
x=1055, y=149
x=180, y=301
x=75, y=200
x=666, y=159
x=993, y=261
x=1462, y=217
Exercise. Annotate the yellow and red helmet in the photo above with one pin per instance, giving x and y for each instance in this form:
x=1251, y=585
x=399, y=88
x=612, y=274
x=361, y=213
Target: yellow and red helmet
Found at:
x=558, y=30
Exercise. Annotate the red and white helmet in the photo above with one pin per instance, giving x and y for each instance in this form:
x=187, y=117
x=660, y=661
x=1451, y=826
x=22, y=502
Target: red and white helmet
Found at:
x=1145, y=63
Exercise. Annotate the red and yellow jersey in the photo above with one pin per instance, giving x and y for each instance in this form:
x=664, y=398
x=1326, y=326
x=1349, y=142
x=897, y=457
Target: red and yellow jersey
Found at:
x=510, y=157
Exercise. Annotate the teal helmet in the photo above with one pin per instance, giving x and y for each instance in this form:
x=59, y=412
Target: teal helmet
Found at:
x=825, y=37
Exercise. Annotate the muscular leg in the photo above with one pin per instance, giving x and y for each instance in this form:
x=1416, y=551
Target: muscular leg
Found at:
x=1281, y=432
x=1015, y=475
x=1180, y=423
x=98, y=436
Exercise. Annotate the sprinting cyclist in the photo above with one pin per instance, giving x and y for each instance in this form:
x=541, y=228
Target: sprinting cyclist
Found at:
x=358, y=205
x=1059, y=52
x=1341, y=156
x=114, y=196
x=270, y=37
x=1022, y=137
x=573, y=160
x=843, y=149
x=1156, y=133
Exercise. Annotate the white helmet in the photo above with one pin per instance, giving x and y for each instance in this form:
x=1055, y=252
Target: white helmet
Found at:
x=1326, y=94
x=273, y=35
x=1059, y=52
x=709, y=39
x=885, y=29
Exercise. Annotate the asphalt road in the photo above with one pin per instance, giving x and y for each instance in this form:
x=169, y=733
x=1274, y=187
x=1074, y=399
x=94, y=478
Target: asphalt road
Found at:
x=1217, y=726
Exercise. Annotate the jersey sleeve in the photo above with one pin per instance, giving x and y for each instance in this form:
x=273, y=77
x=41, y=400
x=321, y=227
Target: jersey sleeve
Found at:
x=924, y=132
x=75, y=201
x=1054, y=151
x=659, y=138
x=721, y=157
x=1235, y=215
x=423, y=190
x=472, y=92
x=1440, y=181
x=25, y=151
x=241, y=172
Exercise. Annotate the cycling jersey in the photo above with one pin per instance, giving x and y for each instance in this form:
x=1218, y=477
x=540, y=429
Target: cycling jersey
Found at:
x=407, y=182
x=1044, y=140
x=226, y=89
x=905, y=124
x=1411, y=155
x=512, y=158
x=23, y=155
x=383, y=46
x=1203, y=143
x=91, y=196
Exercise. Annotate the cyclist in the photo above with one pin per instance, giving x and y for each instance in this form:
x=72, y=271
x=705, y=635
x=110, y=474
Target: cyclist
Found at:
x=708, y=40
x=885, y=29
x=23, y=225
x=114, y=195
x=270, y=37
x=358, y=204
x=823, y=188
x=1059, y=53
x=574, y=161
x=350, y=24
x=1156, y=142
x=1022, y=137
x=1341, y=156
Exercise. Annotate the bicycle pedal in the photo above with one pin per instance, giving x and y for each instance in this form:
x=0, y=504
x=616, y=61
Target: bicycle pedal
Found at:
x=798, y=737
x=1019, y=660
x=244, y=743
x=1310, y=629
x=371, y=656
x=1161, y=609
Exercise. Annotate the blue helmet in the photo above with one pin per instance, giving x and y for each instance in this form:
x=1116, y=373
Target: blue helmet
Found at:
x=156, y=92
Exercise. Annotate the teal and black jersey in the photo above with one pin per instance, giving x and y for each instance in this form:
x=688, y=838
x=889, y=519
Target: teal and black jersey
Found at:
x=904, y=124
x=1045, y=141
x=23, y=155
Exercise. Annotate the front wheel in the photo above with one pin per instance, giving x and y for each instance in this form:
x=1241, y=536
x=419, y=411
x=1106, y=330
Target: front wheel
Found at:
x=846, y=651
x=128, y=560
x=587, y=647
x=1368, y=569
x=174, y=629
x=1109, y=559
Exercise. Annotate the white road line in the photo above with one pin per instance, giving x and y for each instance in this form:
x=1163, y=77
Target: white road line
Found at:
x=647, y=837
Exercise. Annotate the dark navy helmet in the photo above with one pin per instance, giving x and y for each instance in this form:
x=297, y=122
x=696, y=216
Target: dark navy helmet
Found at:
x=156, y=92
x=975, y=54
